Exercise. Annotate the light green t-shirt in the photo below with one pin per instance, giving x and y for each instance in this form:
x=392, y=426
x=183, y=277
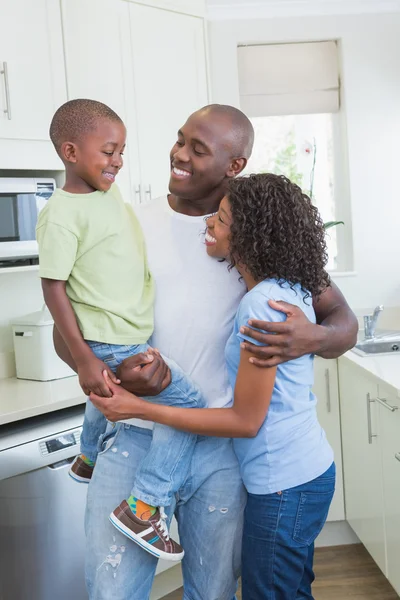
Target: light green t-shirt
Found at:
x=94, y=242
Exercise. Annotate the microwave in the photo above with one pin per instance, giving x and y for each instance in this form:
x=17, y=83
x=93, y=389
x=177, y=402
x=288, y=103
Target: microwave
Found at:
x=21, y=200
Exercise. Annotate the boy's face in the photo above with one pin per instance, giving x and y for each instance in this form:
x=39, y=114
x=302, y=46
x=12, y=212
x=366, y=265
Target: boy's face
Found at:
x=97, y=158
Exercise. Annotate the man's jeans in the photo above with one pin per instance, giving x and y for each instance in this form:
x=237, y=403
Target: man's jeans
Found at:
x=165, y=466
x=278, y=539
x=208, y=507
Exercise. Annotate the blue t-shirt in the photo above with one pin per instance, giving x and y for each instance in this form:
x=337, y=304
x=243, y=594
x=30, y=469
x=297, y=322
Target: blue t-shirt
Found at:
x=291, y=447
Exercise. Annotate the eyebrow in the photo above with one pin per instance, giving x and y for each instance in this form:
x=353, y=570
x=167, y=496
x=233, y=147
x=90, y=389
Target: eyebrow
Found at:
x=224, y=211
x=113, y=144
x=196, y=141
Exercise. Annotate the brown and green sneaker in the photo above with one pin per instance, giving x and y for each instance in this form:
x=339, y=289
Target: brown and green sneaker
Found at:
x=152, y=535
x=81, y=471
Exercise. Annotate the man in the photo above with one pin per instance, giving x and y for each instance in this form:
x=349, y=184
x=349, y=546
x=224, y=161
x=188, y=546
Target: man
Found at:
x=196, y=300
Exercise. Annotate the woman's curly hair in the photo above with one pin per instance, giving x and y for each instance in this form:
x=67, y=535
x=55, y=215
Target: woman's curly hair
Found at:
x=277, y=232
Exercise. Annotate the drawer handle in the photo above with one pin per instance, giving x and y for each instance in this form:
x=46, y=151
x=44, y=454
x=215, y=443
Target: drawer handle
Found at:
x=383, y=402
x=4, y=71
x=370, y=434
x=328, y=391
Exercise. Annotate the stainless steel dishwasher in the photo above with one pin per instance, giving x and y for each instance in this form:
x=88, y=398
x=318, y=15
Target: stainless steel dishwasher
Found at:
x=41, y=509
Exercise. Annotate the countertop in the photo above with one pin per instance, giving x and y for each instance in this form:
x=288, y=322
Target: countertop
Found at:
x=21, y=399
x=386, y=367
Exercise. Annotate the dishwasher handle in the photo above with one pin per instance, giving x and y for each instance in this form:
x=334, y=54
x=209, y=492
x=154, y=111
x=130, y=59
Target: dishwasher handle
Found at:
x=61, y=464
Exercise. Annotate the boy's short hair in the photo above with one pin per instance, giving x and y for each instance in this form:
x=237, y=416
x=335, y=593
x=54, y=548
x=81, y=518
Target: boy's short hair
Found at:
x=76, y=118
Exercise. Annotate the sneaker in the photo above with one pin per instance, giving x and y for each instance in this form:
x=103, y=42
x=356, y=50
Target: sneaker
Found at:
x=151, y=535
x=80, y=471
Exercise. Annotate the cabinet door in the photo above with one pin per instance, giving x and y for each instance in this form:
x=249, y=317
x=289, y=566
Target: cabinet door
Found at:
x=389, y=416
x=32, y=83
x=170, y=83
x=363, y=481
x=190, y=7
x=98, y=65
x=326, y=389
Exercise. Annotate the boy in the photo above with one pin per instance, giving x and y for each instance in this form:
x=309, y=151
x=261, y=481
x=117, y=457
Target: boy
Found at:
x=100, y=293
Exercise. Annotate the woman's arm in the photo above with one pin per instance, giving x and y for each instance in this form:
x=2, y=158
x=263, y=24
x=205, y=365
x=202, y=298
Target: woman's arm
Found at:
x=334, y=334
x=252, y=397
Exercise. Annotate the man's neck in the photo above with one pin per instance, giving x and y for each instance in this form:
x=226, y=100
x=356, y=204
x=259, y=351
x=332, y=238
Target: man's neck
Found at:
x=196, y=208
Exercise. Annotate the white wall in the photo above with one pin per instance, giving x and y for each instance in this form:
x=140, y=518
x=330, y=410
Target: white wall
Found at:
x=370, y=75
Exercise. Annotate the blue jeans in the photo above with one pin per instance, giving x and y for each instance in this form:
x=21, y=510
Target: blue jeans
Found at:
x=208, y=507
x=278, y=539
x=166, y=464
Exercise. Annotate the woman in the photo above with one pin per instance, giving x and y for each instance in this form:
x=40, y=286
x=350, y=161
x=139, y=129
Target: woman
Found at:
x=270, y=231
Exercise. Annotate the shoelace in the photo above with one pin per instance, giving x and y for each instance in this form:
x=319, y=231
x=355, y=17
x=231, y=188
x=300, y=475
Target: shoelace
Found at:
x=162, y=523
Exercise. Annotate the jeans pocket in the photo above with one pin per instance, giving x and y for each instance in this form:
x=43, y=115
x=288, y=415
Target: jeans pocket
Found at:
x=107, y=439
x=312, y=511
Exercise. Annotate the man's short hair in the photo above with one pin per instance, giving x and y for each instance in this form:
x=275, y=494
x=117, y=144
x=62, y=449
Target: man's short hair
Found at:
x=76, y=118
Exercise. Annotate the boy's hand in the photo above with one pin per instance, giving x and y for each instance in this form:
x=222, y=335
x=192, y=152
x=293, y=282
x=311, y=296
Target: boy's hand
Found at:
x=122, y=405
x=91, y=377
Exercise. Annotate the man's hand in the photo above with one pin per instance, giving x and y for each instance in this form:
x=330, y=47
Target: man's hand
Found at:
x=285, y=340
x=91, y=379
x=122, y=404
x=145, y=374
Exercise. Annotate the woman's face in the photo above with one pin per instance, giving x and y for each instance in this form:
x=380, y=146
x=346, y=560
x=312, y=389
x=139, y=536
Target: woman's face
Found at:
x=218, y=231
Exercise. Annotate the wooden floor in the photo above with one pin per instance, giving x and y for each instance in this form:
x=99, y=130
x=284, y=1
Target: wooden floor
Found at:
x=342, y=573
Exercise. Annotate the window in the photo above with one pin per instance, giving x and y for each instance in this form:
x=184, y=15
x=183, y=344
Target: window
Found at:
x=291, y=94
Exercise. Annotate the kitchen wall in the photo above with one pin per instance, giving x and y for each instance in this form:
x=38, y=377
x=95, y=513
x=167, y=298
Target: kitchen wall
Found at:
x=370, y=77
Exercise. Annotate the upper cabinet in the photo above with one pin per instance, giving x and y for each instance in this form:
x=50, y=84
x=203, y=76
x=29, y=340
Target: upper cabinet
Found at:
x=189, y=7
x=32, y=77
x=98, y=66
x=169, y=66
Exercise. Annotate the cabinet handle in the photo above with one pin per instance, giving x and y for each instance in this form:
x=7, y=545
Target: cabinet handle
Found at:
x=370, y=434
x=148, y=191
x=383, y=402
x=4, y=72
x=328, y=391
x=138, y=192
x=397, y=456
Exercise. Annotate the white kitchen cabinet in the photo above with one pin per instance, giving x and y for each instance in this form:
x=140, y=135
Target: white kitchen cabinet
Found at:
x=169, y=65
x=32, y=82
x=189, y=7
x=98, y=66
x=362, y=466
x=326, y=389
x=389, y=432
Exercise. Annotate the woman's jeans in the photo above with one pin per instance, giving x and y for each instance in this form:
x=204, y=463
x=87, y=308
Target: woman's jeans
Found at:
x=278, y=539
x=167, y=462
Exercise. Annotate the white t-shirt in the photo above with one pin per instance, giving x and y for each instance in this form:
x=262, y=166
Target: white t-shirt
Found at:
x=196, y=298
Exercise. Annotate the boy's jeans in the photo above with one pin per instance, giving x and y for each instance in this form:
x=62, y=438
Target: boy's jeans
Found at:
x=165, y=466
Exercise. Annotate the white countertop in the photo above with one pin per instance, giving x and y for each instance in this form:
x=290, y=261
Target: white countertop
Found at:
x=21, y=399
x=386, y=367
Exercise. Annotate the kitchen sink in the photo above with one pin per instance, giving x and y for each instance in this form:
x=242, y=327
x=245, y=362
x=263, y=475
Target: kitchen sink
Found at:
x=384, y=342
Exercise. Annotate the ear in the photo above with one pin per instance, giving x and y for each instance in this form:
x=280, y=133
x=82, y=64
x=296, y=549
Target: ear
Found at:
x=68, y=152
x=237, y=165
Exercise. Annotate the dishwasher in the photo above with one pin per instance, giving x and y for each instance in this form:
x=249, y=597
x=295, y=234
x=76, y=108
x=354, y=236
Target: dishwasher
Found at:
x=41, y=509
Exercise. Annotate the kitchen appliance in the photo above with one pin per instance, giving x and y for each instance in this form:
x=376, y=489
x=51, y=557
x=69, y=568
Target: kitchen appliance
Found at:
x=41, y=509
x=35, y=356
x=21, y=200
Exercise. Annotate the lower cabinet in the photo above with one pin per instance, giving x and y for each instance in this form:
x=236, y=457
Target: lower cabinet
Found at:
x=326, y=389
x=389, y=431
x=370, y=418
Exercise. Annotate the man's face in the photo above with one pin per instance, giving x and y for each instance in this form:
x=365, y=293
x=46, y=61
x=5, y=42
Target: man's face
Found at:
x=201, y=156
x=99, y=155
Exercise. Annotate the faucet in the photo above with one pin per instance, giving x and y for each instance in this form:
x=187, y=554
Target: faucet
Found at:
x=370, y=322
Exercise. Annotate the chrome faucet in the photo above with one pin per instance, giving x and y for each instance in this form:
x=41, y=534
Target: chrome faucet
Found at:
x=370, y=322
